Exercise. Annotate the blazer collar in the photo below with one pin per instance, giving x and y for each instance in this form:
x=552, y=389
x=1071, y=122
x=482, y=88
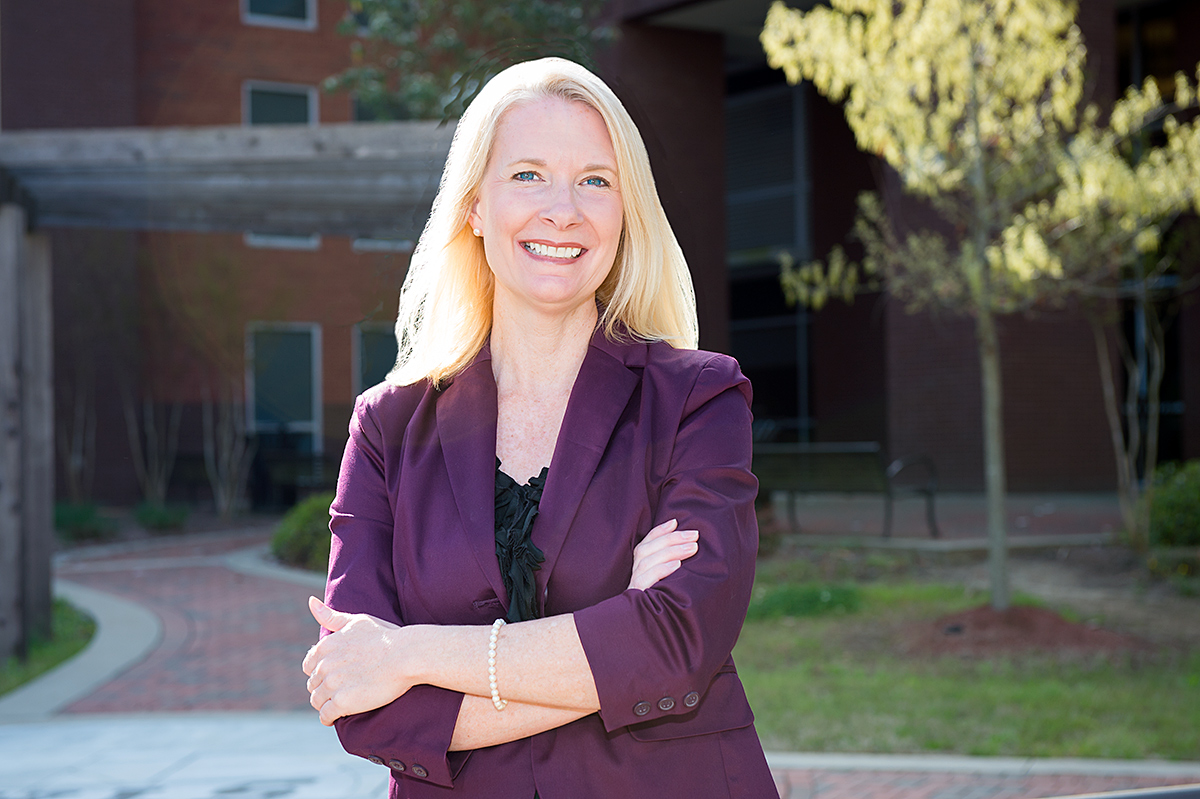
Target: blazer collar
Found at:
x=466, y=421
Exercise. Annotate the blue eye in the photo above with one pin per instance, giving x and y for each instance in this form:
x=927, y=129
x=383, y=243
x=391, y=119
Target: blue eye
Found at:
x=528, y=174
x=596, y=181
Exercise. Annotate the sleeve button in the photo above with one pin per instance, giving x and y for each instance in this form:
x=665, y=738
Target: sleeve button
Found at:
x=641, y=708
x=375, y=759
x=419, y=771
x=666, y=703
x=396, y=765
x=691, y=700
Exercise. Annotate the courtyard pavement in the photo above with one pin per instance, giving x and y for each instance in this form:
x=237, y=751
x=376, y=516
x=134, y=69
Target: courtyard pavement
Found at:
x=191, y=688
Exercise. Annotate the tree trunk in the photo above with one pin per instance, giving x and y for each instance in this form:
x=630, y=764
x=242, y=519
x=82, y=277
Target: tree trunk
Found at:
x=993, y=456
x=1126, y=468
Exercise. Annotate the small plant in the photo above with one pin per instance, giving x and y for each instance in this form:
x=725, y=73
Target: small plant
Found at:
x=82, y=522
x=1175, y=512
x=302, y=537
x=160, y=518
x=772, y=602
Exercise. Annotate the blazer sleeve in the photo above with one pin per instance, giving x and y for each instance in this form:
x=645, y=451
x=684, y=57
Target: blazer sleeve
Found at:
x=412, y=734
x=655, y=653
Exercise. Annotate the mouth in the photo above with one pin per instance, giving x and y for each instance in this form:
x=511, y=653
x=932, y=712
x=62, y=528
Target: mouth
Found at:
x=547, y=251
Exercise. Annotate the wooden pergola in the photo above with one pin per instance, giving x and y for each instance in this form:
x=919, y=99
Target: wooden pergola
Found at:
x=364, y=180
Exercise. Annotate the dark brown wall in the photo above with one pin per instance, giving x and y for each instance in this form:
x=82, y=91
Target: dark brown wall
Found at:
x=66, y=64
x=673, y=84
x=847, y=363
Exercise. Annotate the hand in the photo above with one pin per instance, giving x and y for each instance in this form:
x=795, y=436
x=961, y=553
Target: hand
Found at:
x=661, y=552
x=356, y=668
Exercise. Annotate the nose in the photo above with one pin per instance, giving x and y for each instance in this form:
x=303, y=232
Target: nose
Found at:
x=562, y=207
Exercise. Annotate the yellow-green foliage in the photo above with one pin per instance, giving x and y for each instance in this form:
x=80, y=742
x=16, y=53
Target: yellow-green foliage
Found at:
x=977, y=106
x=302, y=537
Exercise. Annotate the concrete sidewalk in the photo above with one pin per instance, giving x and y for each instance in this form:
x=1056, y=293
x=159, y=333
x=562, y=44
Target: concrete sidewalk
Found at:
x=191, y=689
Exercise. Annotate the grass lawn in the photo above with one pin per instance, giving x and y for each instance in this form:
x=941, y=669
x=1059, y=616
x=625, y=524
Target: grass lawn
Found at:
x=835, y=682
x=72, y=630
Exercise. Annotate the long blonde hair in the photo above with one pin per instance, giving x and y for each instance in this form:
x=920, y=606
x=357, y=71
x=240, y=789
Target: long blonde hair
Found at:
x=446, y=303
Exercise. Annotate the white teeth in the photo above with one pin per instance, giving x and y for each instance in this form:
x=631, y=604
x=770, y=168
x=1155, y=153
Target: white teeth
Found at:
x=552, y=252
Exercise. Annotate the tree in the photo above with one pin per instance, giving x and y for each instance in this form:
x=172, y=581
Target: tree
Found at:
x=425, y=59
x=977, y=107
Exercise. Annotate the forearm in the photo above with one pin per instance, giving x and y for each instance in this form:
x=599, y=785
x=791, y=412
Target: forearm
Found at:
x=480, y=725
x=538, y=662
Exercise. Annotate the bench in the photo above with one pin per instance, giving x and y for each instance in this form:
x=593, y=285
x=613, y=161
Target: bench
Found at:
x=858, y=467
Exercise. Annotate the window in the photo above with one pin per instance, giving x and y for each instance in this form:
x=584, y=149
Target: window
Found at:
x=280, y=241
x=767, y=212
x=295, y=14
x=283, y=384
x=381, y=245
x=374, y=354
x=279, y=104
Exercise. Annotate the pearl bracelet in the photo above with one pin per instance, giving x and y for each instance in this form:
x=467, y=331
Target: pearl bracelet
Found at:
x=496, y=700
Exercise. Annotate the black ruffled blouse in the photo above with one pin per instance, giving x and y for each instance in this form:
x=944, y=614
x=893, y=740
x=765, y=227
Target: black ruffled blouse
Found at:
x=516, y=508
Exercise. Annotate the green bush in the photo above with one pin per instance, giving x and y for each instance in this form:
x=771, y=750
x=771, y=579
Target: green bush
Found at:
x=771, y=602
x=302, y=537
x=82, y=522
x=1175, y=514
x=160, y=518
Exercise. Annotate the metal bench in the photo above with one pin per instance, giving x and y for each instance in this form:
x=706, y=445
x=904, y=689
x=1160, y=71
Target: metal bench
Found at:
x=859, y=467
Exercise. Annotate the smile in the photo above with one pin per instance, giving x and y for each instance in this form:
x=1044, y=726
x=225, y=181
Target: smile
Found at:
x=551, y=252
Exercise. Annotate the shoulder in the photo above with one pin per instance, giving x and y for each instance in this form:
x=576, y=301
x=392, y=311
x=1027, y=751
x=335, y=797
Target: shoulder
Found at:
x=706, y=374
x=388, y=406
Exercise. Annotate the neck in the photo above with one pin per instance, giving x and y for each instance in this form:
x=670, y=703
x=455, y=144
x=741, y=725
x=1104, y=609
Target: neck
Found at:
x=536, y=350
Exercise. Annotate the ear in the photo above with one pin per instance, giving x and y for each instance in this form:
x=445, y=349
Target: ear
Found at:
x=474, y=220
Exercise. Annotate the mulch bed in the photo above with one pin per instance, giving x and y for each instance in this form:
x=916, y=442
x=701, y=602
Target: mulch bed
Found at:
x=984, y=632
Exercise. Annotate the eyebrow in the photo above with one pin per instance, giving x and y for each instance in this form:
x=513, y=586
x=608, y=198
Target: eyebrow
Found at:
x=542, y=163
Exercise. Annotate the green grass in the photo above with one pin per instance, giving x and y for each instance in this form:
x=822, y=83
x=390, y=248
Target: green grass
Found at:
x=72, y=631
x=833, y=683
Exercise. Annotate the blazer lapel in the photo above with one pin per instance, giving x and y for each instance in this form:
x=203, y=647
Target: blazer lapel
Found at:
x=599, y=396
x=466, y=423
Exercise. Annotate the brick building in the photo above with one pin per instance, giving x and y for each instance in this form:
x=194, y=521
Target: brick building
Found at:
x=746, y=166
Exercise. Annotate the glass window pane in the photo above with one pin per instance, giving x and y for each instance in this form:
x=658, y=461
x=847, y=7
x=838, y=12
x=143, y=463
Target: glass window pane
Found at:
x=283, y=377
x=276, y=107
x=378, y=355
x=290, y=9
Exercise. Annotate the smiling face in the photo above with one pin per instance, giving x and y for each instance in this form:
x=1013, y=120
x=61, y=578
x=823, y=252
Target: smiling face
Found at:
x=549, y=206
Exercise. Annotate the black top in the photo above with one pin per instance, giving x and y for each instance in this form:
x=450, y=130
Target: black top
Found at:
x=516, y=508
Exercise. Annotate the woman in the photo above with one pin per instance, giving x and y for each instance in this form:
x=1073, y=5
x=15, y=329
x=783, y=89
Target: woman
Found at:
x=547, y=320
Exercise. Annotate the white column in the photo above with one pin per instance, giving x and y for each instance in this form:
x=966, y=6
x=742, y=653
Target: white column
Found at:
x=37, y=430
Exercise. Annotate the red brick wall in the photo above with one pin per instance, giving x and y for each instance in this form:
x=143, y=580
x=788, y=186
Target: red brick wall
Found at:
x=194, y=55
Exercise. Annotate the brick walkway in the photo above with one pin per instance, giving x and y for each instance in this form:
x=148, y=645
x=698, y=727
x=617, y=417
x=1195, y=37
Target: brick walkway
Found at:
x=230, y=641
x=234, y=642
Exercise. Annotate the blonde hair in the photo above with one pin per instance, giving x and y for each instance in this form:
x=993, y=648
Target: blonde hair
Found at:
x=446, y=302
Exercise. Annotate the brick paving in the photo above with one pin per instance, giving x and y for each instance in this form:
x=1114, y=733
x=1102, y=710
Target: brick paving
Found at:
x=234, y=642
x=230, y=641
x=823, y=784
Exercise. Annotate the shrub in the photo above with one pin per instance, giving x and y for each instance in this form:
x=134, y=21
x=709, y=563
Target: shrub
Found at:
x=1175, y=514
x=160, y=518
x=82, y=522
x=802, y=600
x=302, y=537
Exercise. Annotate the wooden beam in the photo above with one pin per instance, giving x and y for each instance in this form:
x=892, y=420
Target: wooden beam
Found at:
x=12, y=233
x=37, y=433
x=372, y=180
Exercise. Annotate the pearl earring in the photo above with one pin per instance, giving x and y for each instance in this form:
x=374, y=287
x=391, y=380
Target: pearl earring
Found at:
x=477, y=233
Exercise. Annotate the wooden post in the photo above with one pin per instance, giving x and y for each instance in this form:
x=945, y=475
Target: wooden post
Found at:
x=12, y=234
x=37, y=432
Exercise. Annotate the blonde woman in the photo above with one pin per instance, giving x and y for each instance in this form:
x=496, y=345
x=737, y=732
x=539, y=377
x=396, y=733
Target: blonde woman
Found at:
x=543, y=536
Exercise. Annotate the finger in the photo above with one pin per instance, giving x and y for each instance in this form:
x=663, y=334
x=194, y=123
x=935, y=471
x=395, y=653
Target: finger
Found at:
x=649, y=547
x=661, y=530
x=326, y=616
x=329, y=713
x=310, y=661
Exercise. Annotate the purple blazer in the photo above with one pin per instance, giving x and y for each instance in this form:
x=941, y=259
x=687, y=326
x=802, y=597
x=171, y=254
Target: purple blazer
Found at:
x=650, y=433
